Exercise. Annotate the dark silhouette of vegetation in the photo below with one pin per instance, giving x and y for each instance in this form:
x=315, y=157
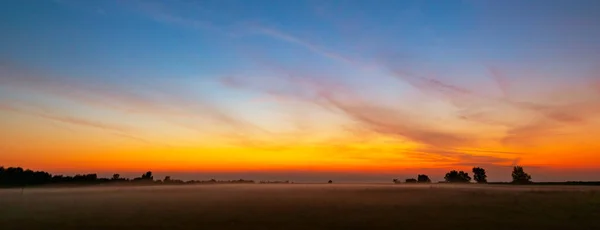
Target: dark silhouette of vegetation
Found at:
x=422, y=178
x=213, y=181
x=519, y=176
x=168, y=180
x=18, y=177
x=145, y=177
x=410, y=180
x=479, y=175
x=457, y=177
x=274, y=182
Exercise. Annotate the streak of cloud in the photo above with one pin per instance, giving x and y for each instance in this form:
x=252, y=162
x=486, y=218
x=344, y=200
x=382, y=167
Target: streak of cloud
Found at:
x=501, y=80
x=449, y=158
x=368, y=114
x=68, y=119
x=298, y=41
x=479, y=107
x=131, y=99
x=157, y=13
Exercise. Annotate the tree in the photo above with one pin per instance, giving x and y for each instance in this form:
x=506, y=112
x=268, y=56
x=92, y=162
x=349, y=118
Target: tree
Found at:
x=167, y=179
x=330, y=182
x=457, y=177
x=116, y=176
x=479, y=175
x=147, y=176
x=519, y=176
x=422, y=178
x=411, y=180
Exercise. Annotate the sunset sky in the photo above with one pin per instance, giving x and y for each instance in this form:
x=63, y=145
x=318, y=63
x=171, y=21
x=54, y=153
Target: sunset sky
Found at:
x=302, y=90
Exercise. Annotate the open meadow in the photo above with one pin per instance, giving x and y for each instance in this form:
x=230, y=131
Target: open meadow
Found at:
x=302, y=206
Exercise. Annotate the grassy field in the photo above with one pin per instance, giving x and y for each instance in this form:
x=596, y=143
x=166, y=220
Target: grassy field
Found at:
x=302, y=206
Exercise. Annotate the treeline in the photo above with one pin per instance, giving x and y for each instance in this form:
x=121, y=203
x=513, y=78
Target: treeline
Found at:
x=519, y=176
x=275, y=182
x=18, y=177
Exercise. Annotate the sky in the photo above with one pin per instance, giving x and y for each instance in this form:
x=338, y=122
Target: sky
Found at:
x=301, y=90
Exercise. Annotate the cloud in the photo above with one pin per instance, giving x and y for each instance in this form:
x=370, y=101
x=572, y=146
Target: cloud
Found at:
x=308, y=45
x=526, y=134
x=67, y=119
x=387, y=121
x=499, y=77
x=341, y=99
x=426, y=82
x=165, y=102
x=160, y=13
x=450, y=157
x=84, y=122
x=569, y=104
x=274, y=143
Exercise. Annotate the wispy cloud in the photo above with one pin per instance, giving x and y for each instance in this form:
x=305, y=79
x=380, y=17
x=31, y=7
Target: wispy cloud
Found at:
x=162, y=102
x=529, y=133
x=366, y=113
x=302, y=42
x=78, y=121
x=499, y=77
x=510, y=110
x=159, y=13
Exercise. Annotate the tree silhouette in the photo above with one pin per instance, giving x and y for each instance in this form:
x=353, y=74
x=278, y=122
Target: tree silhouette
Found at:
x=422, y=178
x=167, y=179
x=457, y=177
x=147, y=176
x=330, y=182
x=519, y=176
x=19, y=177
x=411, y=180
x=479, y=175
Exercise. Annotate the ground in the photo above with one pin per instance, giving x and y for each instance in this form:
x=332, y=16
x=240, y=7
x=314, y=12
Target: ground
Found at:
x=302, y=206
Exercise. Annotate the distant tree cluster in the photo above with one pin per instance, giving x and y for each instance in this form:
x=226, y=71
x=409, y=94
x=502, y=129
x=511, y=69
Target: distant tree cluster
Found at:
x=213, y=181
x=410, y=180
x=15, y=177
x=274, y=182
x=421, y=178
x=479, y=175
x=457, y=177
x=519, y=176
x=18, y=177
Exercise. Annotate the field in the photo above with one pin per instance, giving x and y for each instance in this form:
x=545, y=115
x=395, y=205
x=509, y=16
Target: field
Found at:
x=302, y=206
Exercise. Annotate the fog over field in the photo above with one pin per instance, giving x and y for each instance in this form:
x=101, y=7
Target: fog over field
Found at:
x=303, y=206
